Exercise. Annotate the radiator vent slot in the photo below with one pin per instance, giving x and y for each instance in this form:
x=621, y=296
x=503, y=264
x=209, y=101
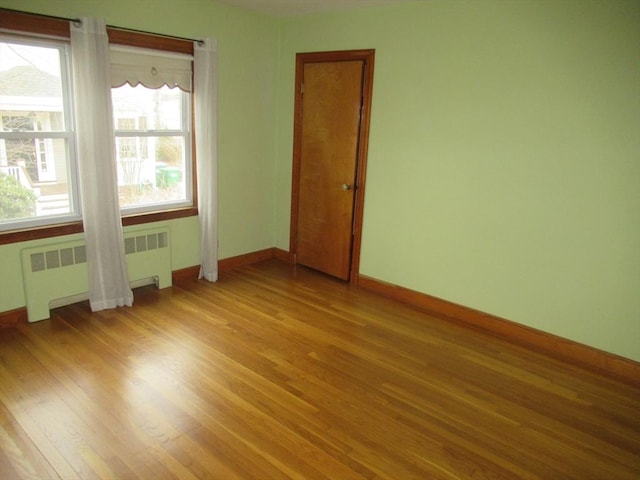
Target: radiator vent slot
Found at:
x=58, y=258
x=37, y=262
x=142, y=243
x=80, y=254
x=53, y=259
x=66, y=257
x=73, y=256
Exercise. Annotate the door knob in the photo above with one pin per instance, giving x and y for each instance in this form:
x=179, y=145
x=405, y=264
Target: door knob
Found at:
x=346, y=186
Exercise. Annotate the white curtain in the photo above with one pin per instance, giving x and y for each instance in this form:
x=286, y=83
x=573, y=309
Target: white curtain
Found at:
x=106, y=263
x=206, y=128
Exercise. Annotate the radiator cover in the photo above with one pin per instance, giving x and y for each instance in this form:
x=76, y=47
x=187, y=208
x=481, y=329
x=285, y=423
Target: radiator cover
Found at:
x=56, y=274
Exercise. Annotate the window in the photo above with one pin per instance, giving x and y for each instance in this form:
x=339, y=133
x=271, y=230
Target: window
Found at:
x=152, y=112
x=152, y=147
x=37, y=164
x=38, y=179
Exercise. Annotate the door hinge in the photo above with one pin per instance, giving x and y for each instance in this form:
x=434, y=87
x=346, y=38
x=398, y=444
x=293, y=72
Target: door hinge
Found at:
x=302, y=88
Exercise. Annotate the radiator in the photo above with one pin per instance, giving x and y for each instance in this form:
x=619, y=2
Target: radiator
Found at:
x=56, y=274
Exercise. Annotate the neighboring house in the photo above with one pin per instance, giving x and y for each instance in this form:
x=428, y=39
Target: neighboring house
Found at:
x=31, y=101
x=136, y=155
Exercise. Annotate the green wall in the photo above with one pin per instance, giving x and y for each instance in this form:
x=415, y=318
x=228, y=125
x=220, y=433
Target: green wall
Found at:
x=248, y=47
x=504, y=156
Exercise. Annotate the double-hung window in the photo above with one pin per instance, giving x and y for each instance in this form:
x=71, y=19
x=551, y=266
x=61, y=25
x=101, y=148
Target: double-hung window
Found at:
x=37, y=159
x=151, y=106
x=152, y=116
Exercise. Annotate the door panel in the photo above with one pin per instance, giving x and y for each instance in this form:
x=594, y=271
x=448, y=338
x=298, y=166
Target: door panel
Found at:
x=330, y=132
x=330, y=145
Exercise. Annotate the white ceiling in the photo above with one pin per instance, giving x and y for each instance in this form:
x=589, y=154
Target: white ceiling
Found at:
x=303, y=7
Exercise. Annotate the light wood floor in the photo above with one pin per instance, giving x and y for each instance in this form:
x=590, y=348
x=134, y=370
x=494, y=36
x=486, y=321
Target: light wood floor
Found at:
x=271, y=375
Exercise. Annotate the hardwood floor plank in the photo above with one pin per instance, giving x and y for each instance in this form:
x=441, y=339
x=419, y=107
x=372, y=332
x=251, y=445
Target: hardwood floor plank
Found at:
x=25, y=403
x=278, y=372
x=14, y=459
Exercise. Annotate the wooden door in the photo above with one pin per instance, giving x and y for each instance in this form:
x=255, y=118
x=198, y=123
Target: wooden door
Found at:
x=329, y=159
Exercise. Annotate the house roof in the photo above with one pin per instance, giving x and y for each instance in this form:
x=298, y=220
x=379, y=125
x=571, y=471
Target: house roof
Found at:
x=29, y=81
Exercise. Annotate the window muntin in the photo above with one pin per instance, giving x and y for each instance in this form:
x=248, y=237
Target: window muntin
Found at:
x=153, y=151
x=37, y=160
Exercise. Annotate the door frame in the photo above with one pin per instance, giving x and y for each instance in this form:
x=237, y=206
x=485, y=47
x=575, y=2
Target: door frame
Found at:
x=367, y=57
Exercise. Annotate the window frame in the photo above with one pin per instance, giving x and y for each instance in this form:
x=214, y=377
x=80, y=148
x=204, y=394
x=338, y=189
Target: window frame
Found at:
x=142, y=137
x=32, y=26
x=42, y=139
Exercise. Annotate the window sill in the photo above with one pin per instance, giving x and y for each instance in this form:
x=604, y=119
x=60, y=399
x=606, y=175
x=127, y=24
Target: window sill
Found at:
x=15, y=236
x=141, y=218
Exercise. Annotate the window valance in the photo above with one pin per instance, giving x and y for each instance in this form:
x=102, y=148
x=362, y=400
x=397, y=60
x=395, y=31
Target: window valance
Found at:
x=150, y=68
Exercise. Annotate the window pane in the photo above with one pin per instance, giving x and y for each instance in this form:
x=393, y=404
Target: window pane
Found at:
x=151, y=170
x=30, y=88
x=147, y=109
x=151, y=147
x=36, y=179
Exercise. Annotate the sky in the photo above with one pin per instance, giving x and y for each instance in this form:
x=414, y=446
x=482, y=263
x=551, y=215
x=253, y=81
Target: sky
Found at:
x=13, y=54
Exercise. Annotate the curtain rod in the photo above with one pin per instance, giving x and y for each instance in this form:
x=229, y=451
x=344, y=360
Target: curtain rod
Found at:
x=78, y=21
